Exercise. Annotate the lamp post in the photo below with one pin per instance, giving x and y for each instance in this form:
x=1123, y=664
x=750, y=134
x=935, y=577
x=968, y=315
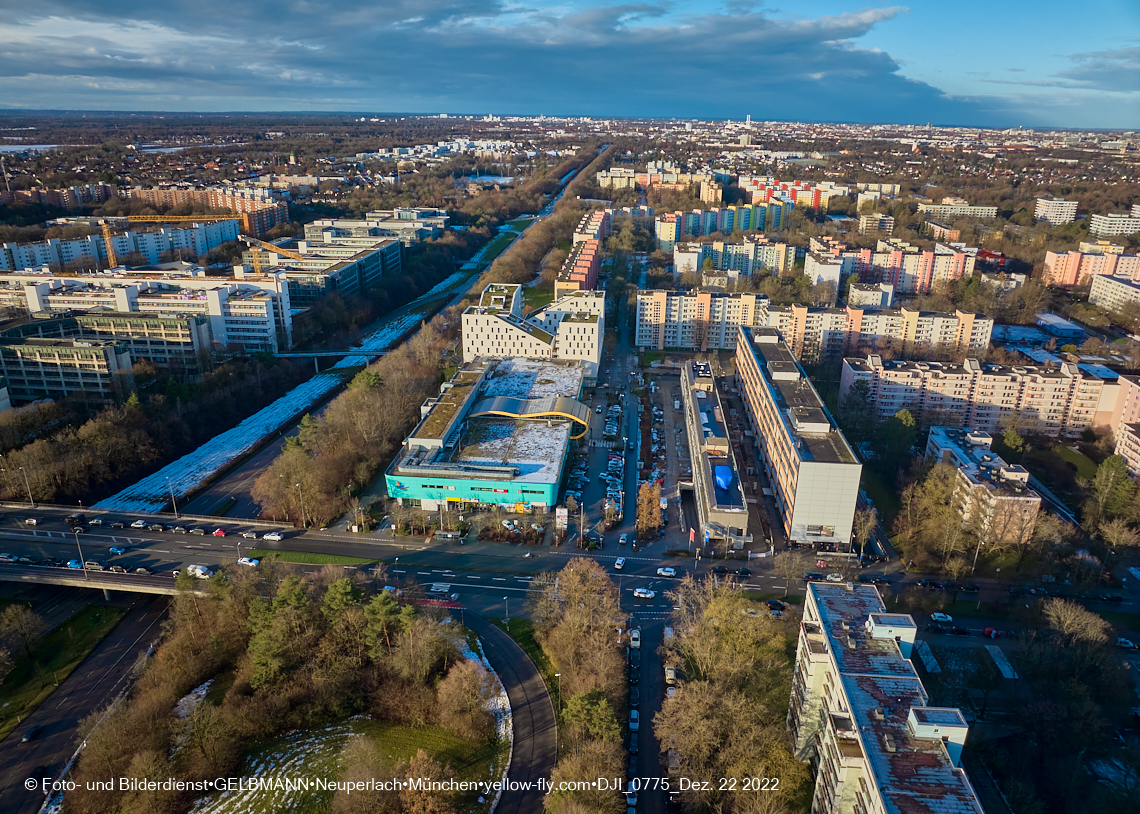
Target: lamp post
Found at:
x=31, y=499
x=170, y=486
x=301, y=496
x=506, y=612
x=78, y=548
x=559, y=677
x=977, y=549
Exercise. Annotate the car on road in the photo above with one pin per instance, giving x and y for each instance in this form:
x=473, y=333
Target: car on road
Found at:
x=142, y=571
x=117, y=549
x=118, y=524
x=631, y=797
x=31, y=733
x=666, y=572
x=156, y=527
x=180, y=530
x=75, y=564
x=719, y=569
x=7, y=557
x=991, y=633
x=623, y=539
x=199, y=532
x=743, y=572
x=812, y=576
x=941, y=617
x=959, y=631
x=634, y=721
x=117, y=569
x=969, y=588
x=635, y=638
x=218, y=533
x=93, y=565
x=938, y=627
x=670, y=692
x=633, y=744
x=643, y=593
x=31, y=521
x=138, y=524
x=619, y=563
x=1125, y=644
x=273, y=536
x=249, y=535
x=250, y=561
x=834, y=577
x=95, y=521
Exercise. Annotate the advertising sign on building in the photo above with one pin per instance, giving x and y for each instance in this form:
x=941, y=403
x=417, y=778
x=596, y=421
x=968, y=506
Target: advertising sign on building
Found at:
x=561, y=518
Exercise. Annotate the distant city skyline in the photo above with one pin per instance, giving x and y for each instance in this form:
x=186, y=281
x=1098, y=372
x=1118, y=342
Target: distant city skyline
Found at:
x=974, y=64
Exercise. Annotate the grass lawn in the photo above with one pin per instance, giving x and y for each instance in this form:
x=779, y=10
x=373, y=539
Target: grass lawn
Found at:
x=1059, y=468
x=649, y=357
x=54, y=657
x=537, y=296
x=1086, y=468
x=884, y=498
x=1130, y=621
x=496, y=246
x=307, y=557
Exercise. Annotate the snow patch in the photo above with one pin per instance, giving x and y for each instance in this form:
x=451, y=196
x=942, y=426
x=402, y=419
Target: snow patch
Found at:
x=499, y=707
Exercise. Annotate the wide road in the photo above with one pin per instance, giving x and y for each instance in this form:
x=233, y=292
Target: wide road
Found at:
x=100, y=678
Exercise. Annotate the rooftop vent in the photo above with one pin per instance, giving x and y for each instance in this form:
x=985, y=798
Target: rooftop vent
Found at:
x=850, y=642
x=889, y=742
x=878, y=714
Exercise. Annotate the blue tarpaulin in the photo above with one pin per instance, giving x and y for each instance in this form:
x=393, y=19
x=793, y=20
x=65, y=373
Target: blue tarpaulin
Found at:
x=723, y=476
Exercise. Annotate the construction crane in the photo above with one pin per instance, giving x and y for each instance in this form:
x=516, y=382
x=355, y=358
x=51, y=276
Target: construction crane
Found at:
x=108, y=242
x=109, y=245
x=259, y=247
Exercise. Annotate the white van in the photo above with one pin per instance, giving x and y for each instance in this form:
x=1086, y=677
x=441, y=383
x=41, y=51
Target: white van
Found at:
x=200, y=571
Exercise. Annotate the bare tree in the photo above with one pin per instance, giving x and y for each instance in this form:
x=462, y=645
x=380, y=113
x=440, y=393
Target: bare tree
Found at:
x=22, y=623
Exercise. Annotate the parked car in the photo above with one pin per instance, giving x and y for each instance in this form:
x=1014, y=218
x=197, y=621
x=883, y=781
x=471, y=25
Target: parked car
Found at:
x=199, y=532
x=118, y=549
x=156, y=527
x=941, y=617
x=117, y=569
x=1125, y=644
x=743, y=572
x=634, y=721
x=118, y=524
x=249, y=535
x=273, y=536
x=812, y=577
x=776, y=605
x=834, y=577
x=991, y=633
x=250, y=561
x=143, y=572
x=719, y=569
x=634, y=696
x=959, y=631
x=75, y=564
x=93, y=565
x=635, y=638
x=95, y=521
x=139, y=524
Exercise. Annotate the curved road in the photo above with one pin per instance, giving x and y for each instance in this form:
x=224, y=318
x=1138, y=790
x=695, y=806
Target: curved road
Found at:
x=532, y=713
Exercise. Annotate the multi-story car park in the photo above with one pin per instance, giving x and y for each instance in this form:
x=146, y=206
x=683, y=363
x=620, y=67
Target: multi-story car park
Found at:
x=721, y=507
x=813, y=470
x=860, y=715
x=1055, y=402
x=497, y=435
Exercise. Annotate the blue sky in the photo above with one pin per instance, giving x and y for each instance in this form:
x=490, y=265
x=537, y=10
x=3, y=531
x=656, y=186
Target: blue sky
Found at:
x=984, y=62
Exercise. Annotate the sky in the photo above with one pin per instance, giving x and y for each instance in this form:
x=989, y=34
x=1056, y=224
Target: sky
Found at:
x=969, y=62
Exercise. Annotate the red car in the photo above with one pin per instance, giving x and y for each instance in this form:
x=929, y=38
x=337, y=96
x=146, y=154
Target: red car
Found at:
x=219, y=532
x=990, y=633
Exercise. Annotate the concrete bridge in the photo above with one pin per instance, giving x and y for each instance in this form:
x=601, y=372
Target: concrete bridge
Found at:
x=96, y=580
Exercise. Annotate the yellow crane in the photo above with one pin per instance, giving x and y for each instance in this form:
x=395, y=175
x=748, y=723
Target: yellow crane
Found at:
x=259, y=248
x=109, y=245
x=108, y=241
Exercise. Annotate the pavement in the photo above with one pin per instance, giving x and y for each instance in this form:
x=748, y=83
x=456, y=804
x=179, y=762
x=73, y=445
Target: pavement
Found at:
x=99, y=679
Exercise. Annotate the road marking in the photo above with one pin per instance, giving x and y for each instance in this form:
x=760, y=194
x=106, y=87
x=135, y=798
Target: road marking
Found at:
x=499, y=579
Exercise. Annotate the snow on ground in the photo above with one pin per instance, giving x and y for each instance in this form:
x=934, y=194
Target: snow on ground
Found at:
x=1025, y=334
x=499, y=707
x=183, y=710
x=443, y=285
x=152, y=493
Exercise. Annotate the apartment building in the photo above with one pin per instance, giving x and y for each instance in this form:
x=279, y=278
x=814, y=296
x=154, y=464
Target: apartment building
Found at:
x=814, y=333
x=696, y=320
x=880, y=224
x=92, y=369
x=991, y=495
x=861, y=716
x=721, y=507
x=1068, y=269
x=870, y=296
x=770, y=216
x=258, y=209
x=956, y=208
x=68, y=198
x=172, y=343
x=91, y=251
x=1055, y=211
x=812, y=469
x=910, y=269
x=942, y=231
x=1113, y=225
x=348, y=264
x=1100, y=247
x=763, y=188
x=658, y=173
x=579, y=271
x=1057, y=402
x=1113, y=293
x=594, y=225
x=752, y=254
x=255, y=313
x=830, y=270
x=875, y=186
x=410, y=225
x=571, y=328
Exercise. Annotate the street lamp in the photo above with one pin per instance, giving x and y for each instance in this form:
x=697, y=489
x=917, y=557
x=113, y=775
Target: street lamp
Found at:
x=559, y=677
x=80, y=550
x=506, y=612
x=31, y=499
x=170, y=486
x=976, y=551
x=301, y=495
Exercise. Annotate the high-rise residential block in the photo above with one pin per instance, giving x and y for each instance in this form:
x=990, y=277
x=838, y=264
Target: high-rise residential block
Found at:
x=1114, y=224
x=1055, y=211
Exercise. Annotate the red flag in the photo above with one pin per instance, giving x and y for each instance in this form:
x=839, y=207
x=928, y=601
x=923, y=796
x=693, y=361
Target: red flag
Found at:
x=692, y=535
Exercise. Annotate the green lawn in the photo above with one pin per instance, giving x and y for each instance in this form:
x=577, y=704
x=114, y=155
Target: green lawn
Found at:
x=54, y=657
x=307, y=557
x=537, y=296
x=884, y=498
x=496, y=246
x=1085, y=466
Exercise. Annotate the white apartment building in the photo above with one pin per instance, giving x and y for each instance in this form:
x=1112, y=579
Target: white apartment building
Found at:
x=1128, y=447
x=870, y=296
x=876, y=223
x=818, y=333
x=753, y=254
x=696, y=320
x=1113, y=293
x=1055, y=211
x=1050, y=401
x=828, y=269
x=910, y=269
x=1112, y=225
x=860, y=715
x=989, y=494
x=570, y=328
x=813, y=471
x=411, y=225
x=956, y=208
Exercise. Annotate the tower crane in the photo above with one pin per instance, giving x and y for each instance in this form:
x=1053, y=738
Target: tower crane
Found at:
x=108, y=241
x=259, y=248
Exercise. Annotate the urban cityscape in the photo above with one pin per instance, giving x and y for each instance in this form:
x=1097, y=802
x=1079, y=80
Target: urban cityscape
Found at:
x=429, y=445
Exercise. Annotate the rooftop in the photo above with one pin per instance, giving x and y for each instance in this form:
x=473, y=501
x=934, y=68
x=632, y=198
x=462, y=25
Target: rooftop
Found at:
x=968, y=368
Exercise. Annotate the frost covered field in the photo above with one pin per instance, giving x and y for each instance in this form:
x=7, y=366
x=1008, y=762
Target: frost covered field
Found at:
x=152, y=493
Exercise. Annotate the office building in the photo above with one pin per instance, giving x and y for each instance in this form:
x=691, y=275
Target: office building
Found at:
x=719, y=496
x=153, y=245
x=1113, y=293
x=579, y=270
x=1050, y=401
x=94, y=370
x=992, y=496
x=1114, y=225
x=172, y=343
x=410, y=225
x=870, y=296
x=571, y=328
x=258, y=210
x=1055, y=211
x=695, y=320
x=497, y=436
x=751, y=255
x=814, y=334
x=347, y=264
x=951, y=208
x=880, y=224
x=860, y=715
x=1068, y=269
x=813, y=471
